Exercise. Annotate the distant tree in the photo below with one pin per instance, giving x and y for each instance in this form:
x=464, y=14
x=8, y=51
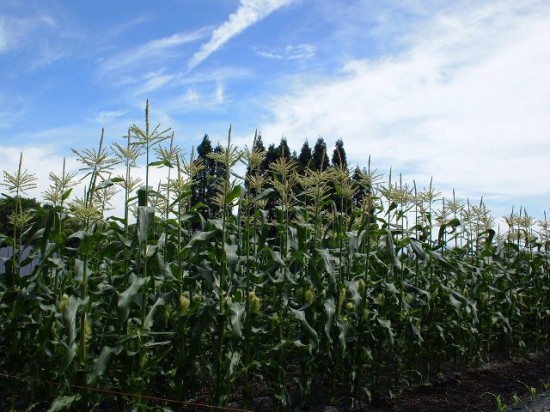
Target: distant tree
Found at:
x=203, y=186
x=283, y=149
x=217, y=173
x=304, y=158
x=259, y=148
x=259, y=144
x=319, y=156
x=271, y=155
x=341, y=185
x=339, y=154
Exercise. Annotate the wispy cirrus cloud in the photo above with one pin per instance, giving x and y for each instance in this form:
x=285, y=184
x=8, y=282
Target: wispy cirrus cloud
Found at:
x=106, y=116
x=17, y=32
x=39, y=36
x=123, y=27
x=248, y=13
x=151, y=52
x=3, y=37
x=290, y=52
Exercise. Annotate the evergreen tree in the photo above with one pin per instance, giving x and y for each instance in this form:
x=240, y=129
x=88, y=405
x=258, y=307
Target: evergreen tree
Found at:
x=339, y=155
x=319, y=156
x=341, y=182
x=283, y=149
x=217, y=173
x=259, y=144
x=203, y=185
x=271, y=156
x=304, y=159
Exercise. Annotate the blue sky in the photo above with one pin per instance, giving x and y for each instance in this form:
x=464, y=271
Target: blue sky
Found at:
x=457, y=90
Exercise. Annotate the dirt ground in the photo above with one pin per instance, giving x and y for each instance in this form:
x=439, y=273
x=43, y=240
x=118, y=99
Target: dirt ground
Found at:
x=514, y=382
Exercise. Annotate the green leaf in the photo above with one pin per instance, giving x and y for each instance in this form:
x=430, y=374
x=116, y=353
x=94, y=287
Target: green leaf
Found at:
x=504, y=320
x=391, y=287
x=234, y=194
x=411, y=288
x=391, y=248
x=108, y=182
x=342, y=336
x=330, y=311
x=417, y=248
x=81, y=270
x=328, y=261
x=146, y=217
x=264, y=194
x=354, y=239
x=62, y=402
x=236, y=310
x=416, y=332
x=200, y=237
x=455, y=302
x=125, y=299
x=161, y=163
x=386, y=323
x=393, y=206
x=66, y=194
x=312, y=335
x=233, y=358
x=231, y=257
x=100, y=365
x=353, y=288
x=69, y=315
x=148, y=323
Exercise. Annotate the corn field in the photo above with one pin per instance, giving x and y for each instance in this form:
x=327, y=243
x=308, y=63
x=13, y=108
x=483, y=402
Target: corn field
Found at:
x=356, y=297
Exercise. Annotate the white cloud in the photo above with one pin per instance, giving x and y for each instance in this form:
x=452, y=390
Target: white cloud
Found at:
x=220, y=97
x=129, y=25
x=291, y=52
x=105, y=117
x=37, y=160
x=153, y=81
x=300, y=51
x=18, y=32
x=224, y=73
x=198, y=99
x=270, y=55
x=192, y=96
x=3, y=37
x=248, y=13
x=466, y=102
x=151, y=51
x=12, y=31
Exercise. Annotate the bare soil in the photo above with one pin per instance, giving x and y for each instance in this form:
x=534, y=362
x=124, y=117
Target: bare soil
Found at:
x=476, y=389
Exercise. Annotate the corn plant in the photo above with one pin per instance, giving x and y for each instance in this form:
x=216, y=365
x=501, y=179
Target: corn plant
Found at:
x=348, y=283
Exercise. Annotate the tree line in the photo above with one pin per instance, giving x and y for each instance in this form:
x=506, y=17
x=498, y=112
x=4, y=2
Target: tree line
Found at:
x=313, y=159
